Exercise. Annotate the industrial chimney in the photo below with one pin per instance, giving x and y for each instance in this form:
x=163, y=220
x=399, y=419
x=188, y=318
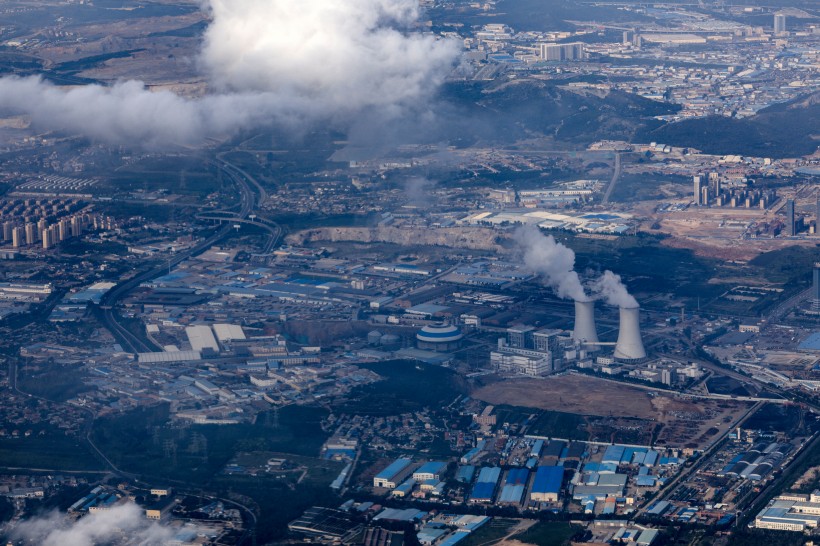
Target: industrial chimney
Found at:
x=629, y=346
x=584, y=330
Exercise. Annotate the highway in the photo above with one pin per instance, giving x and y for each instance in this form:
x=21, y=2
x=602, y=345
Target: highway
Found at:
x=112, y=321
x=615, y=176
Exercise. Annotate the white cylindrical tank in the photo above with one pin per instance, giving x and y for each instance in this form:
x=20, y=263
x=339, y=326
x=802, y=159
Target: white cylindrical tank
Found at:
x=585, y=330
x=630, y=345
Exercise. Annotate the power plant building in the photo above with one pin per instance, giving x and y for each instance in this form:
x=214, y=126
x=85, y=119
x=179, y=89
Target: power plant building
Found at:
x=585, y=330
x=629, y=347
x=528, y=352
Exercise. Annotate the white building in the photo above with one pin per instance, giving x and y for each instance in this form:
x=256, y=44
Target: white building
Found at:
x=200, y=337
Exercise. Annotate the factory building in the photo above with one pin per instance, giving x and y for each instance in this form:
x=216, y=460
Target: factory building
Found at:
x=484, y=488
x=226, y=333
x=547, y=484
x=200, y=337
x=790, y=513
x=430, y=471
x=391, y=476
x=514, y=486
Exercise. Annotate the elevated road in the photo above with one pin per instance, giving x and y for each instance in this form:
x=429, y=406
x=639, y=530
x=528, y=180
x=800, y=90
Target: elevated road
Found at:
x=113, y=322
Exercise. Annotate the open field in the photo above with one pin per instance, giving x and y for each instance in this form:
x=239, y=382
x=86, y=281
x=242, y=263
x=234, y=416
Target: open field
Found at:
x=679, y=422
x=563, y=393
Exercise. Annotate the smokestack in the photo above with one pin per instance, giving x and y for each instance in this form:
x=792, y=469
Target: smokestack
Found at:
x=584, y=330
x=630, y=346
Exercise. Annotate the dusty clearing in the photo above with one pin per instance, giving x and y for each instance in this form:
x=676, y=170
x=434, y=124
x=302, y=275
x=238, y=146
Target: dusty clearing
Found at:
x=582, y=395
x=681, y=422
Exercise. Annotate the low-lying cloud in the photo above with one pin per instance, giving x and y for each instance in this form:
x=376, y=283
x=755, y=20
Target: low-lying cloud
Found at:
x=269, y=62
x=104, y=527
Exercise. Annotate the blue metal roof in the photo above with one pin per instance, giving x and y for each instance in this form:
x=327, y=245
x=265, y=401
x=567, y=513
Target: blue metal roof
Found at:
x=548, y=479
x=517, y=476
x=465, y=473
x=811, y=343
x=433, y=467
x=613, y=454
x=395, y=467
x=483, y=491
x=489, y=474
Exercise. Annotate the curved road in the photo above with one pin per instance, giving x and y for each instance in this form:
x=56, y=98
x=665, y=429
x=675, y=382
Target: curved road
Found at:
x=112, y=321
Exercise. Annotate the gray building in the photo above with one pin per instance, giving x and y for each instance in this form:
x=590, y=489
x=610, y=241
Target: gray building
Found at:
x=790, y=225
x=779, y=24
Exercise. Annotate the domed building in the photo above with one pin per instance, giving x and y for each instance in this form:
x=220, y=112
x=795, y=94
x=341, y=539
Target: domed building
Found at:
x=439, y=337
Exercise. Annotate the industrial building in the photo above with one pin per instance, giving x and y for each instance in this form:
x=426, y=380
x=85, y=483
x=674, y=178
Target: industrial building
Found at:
x=547, y=484
x=200, y=337
x=528, y=352
x=629, y=347
x=514, y=486
x=430, y=471
x=439, y=337
x=226, y=333
x=585, y=330
x=790, y=513
x=391, y=476
x=325, y=523
x=484, y=488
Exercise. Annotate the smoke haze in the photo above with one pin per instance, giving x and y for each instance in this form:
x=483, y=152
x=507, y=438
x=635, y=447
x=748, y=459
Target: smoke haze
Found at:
x=270, y=62
x=612, y=289
x=126, y=520
x=552, y=260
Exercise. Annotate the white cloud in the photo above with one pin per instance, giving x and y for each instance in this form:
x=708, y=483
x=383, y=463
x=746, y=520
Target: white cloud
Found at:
x=125, y=520
x=269, y=62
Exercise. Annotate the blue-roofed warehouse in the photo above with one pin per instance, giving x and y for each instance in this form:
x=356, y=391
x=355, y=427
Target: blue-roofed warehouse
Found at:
x=465, y=473
x=391, y=476
x=430, y=471
x=547, y=484
x=514, y=486
x=484, y=489
x=613, y=454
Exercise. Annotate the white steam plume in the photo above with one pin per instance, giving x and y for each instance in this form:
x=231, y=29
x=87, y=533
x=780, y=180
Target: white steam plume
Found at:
x=552, y=260
x=613, y=290
x=104, y=527
x=271, y=62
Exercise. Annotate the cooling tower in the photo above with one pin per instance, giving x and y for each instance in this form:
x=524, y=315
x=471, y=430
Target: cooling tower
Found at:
x=630, y=346
x=585, y=322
